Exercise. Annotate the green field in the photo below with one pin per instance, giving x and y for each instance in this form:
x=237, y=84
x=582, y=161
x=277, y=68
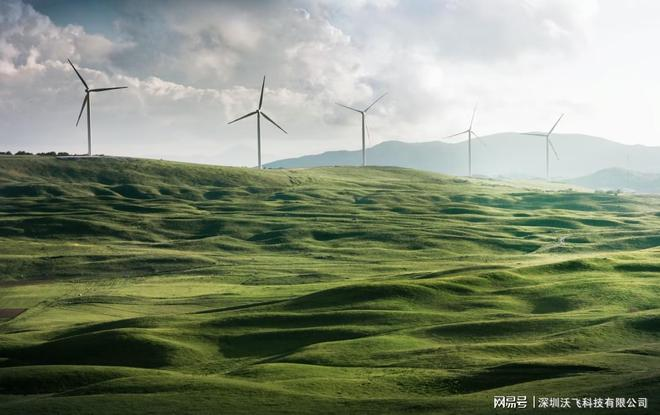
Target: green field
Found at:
x=159, y=287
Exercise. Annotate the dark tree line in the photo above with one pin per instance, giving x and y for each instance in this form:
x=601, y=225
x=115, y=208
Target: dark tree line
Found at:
x=27, y=153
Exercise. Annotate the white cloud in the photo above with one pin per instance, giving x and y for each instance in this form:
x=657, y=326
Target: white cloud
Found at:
x=27, y=37
x=192, y=66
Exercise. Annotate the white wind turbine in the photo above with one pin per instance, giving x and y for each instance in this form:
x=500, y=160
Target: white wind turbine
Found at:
x=548, y=145
x=363, y=113
x=470, y=132
x=259, y=114
x=86, y=102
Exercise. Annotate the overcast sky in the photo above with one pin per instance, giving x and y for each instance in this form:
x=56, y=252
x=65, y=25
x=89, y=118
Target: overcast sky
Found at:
x=192, y=66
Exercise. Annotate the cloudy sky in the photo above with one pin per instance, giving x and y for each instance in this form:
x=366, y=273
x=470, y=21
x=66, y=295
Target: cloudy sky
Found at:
x=191, y=66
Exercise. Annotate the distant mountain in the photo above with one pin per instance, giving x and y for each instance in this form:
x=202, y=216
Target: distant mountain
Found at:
x=620, y=179
x=506, y=154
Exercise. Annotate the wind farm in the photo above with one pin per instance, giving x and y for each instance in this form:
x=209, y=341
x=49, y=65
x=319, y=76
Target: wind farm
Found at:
x=168, y=269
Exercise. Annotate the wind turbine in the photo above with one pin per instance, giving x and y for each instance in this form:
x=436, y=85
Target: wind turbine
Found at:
x=548, y=145
x=363, y=113
x=87, y=103
x=470, y=132
x=259, y=114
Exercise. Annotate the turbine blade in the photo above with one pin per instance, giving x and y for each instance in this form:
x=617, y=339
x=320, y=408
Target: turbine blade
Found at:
x=107, y=89
x=534, y=134
x=261, y=97
x=366, y=125
x=78, y=73
x=374, y=103
x=473, y=133
x=274, y=123
x=479, y=139
x=240, y=118
x=552, y=146
x=553, y=127
x=474, y=111
x=82, y=108
x=481, y=142
x=457, y=134
x=347, y=107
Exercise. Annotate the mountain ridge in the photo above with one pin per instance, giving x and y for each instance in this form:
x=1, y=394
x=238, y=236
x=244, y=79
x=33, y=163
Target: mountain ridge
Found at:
x=504, y=154
x=616, y=178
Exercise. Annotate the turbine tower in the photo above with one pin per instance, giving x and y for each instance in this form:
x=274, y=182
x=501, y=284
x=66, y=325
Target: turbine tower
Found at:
x=548, y=146
x=363, y=113
x=86, y=103
x=470, y=132
x=259, y=113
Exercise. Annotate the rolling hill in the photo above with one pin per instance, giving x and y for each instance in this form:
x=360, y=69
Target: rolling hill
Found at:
x=506, y=155
x=158, y=287
x=620, y=179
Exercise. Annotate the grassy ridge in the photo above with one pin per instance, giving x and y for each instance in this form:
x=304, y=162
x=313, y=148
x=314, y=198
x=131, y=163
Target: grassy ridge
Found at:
x=162, y=287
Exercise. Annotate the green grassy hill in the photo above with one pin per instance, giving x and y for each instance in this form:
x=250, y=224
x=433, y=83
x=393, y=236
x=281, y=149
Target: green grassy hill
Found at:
x=159, y=287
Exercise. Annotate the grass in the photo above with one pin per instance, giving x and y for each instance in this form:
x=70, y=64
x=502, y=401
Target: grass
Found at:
x=160, y=287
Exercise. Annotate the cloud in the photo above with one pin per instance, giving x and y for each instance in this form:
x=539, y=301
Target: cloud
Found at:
x=509, y=29
x=28, y=37
x=192, y=66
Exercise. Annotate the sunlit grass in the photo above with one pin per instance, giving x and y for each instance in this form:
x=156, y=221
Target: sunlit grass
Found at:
x=162, y=287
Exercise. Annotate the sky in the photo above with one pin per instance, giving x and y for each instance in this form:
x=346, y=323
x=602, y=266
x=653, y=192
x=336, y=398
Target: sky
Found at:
x=192, y=66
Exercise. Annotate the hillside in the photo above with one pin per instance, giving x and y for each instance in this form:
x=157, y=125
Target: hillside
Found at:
x=203, y=289
x=505, y=154
x=620, y=179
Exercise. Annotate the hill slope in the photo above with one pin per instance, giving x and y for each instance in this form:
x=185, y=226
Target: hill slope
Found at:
x=505, y=154
x=157, y=287
x=620, y=179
